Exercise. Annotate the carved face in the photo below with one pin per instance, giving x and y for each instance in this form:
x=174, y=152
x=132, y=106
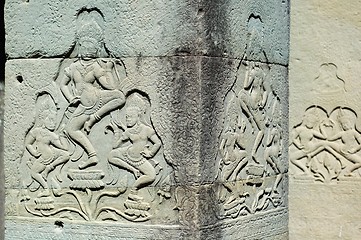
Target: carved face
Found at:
x=132, y=116
x=88, y=48
x=346, y=124
x=50, y=121
x=309, y=120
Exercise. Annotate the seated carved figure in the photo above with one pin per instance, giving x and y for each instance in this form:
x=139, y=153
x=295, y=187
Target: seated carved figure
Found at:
x=143, y=144
x=45, y=148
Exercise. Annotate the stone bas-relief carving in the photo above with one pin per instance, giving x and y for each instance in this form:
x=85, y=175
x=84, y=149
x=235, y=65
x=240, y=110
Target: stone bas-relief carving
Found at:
x=328, y=81
x=326, y=146
x=127, y=116
x=92, y=152
x=251, y=146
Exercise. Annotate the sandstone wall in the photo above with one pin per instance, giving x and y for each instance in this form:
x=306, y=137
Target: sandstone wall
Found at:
x=325, y=120
x=2, y=79
x=146, y=119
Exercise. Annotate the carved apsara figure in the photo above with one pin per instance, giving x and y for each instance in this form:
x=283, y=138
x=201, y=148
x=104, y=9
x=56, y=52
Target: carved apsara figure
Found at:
x=134, y=157
x=274, y=140
x=233, y=153
x=307, y=140
x=350, y=138
x=45, y=148
x=90, y=87
x=253, y=99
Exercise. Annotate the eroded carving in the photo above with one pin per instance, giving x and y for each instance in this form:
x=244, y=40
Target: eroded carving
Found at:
x=90, y=86
x=82, y=161
x=251, y=146
x=328, y=80
x=44, y=149
x=325, y=147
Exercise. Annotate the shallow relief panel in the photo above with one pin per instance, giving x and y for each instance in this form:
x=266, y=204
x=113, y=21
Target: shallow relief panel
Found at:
x=244, y=149
x=325, y=146
x=250, y=170
x=91, y=149
x=325, y=143
x=117, y=140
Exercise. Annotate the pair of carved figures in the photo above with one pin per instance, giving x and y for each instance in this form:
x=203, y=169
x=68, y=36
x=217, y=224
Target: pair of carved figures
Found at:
x=330, y=143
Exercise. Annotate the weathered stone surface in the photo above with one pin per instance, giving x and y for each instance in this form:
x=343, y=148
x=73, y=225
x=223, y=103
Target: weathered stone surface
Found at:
x=176, y=27
x=325, y=120
x=2, y=176
x=143, y=121
x=2, y=80
x=337, y=213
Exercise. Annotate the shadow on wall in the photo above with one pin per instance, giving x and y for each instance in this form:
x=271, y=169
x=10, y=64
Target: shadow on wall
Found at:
x=2, y=77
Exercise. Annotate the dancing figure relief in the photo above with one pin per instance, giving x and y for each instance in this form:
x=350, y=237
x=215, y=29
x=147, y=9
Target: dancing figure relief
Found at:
x=64, y=156
x=326, y=147
x=274, y=142
x=250, y=146
x=253, y=99
x=93, y=95
x=233, y=152
x=134, y=148
x=304, y=138
x=43, y=146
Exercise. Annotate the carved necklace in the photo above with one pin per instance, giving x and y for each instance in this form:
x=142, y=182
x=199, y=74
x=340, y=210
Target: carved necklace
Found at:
x=85, y=66
x=135, y=130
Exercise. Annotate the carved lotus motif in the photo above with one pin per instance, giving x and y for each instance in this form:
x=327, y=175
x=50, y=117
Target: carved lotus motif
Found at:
x=89, y=179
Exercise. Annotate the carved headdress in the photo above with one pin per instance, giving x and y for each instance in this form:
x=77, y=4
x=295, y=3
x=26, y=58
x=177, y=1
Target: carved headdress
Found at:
x=345, y=114
x=90, y=31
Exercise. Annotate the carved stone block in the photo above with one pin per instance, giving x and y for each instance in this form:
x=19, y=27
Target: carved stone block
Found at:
x=325, y=136
x=139, y=125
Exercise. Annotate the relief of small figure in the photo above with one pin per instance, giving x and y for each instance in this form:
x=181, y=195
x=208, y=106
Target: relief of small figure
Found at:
x=254, y=95
x=274, y=141
x=90, y=87
x=233, y=153
x=350, y=138
x=307, y=140
x=253, y=99
x=45, y=148
x=133, y=150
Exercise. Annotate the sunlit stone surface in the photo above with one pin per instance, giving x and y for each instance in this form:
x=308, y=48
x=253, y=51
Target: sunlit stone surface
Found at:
x=146, y=120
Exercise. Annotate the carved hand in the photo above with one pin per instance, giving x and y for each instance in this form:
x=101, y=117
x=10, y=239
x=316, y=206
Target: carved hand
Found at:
x=75, y=100
x=147, y=153
x=37, y=154
x=353, y=150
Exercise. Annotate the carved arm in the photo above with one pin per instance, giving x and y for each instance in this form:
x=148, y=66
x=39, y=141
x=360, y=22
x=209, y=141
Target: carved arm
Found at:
x=29, y=141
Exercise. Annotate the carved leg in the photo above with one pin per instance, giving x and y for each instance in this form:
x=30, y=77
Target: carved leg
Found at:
x=356, y=160
x=242, y=162
x=149, y=175
x=115, y=159
x=295, y=159
x=73, y=129
x=113, y=100
x=36, y=169
x=63, y=158
x=244, y=105
x=272, y=162
x=80, y=138
x=257, y=144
